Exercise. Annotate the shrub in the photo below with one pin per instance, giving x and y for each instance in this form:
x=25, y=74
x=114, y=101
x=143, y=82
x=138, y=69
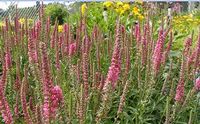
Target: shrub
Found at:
x=56, y=11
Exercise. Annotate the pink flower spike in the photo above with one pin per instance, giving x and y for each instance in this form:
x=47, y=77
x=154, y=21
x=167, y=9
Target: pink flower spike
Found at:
x=180, y=91
x=72, y=49
x=56, y=98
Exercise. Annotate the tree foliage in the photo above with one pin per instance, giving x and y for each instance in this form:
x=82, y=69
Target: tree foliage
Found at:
x=56, y=10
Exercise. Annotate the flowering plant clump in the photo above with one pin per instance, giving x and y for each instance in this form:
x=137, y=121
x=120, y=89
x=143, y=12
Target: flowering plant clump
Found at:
x=112, y=62
x=185, y=22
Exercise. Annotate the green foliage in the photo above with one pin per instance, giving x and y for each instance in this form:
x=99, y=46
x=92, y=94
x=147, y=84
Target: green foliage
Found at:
x=56, y=11
x=146, y=101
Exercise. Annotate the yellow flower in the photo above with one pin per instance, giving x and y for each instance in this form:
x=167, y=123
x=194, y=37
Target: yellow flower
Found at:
x=140, y=17
x=60, y=28
x=21, y=20
x=135, y=10
x=185, y=16
x=108, y=4
x=189, y=20
x=126, y=7
x=119, y=4
x=120, y=10
x=83, y=8
x=2, y=24
x=30, y=21
x=139, y=1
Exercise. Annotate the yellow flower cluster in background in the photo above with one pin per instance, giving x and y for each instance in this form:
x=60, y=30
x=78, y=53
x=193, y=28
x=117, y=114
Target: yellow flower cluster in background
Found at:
x=185, y=23
x=108, y=4
x=121, y=8
x=139, y=1
x=186, y=19
x=137, y=13
x=136, y=10
x=119, y=4
x=126, y=7
x=21, y=20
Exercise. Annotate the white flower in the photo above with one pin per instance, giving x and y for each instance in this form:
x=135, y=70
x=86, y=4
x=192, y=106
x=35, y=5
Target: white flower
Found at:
x=105, y=15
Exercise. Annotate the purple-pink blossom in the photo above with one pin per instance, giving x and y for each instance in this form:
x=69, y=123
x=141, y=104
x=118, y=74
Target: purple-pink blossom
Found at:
x=197, y=84
x=72, y=49
x=8, y=59
x=137, y=32
x=115, y=67
x=157, y=54
x=180, y=91
x=56, y=97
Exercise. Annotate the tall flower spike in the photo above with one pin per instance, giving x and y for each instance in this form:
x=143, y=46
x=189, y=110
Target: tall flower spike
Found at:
x=115, y=67
x=23, y=99
x=112, y=76
x=137, y=33
x=32, y=53
x=54, y=35
x=158, y=51
x=197, y=53
x=4, y=107
x=8, y=58
x=85, y=67
x=157, y=54
x=144, y=45
x=72, y=48
x=65, y=41
x=122, y=99
x=56, y=98
x=180, y=87
x=166, y=53
x=180, y=91
x=187, y=45
x=47, y=84
x=4, y=76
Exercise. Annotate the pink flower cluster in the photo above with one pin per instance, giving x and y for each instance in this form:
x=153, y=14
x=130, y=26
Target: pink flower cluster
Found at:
x=46, y=84
x=56, y=97
x=4, y=107
x=32, y=53
x=157, y=54
x=137, y=33
x=8, y=59
x=197, y=84
x=72, y=49
x=180, y=91
x=114, y=69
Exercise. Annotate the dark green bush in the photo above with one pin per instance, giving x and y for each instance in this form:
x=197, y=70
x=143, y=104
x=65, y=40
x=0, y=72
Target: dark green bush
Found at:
x=56, y=10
